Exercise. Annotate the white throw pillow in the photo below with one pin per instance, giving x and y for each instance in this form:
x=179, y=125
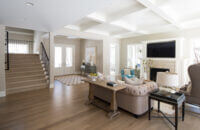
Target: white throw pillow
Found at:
x=134, y=81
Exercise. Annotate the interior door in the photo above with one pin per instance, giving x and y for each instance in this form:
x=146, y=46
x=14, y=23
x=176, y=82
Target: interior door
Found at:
x=64, y=59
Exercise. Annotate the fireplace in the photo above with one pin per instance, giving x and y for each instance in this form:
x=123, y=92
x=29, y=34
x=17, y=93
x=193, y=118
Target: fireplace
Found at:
x=153, y=72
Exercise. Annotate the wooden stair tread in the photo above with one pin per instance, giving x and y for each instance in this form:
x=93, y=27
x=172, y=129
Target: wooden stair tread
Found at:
x=26, y=81
x=27, y=88
x=26, y=73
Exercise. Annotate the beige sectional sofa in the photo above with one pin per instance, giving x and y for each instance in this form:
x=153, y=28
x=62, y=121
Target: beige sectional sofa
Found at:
x=133, y=99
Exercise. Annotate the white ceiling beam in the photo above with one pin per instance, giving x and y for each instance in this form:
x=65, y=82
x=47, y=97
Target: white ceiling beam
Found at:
x=116, y=17
x=107, y=22
x=125, y=13
x=159, y=12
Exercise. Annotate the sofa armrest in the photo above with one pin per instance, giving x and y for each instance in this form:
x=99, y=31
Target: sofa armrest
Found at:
x=186, y=89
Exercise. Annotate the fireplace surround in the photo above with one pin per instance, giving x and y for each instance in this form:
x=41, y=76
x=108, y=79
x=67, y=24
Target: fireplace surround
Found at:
x=153, y=72
x=160, y=66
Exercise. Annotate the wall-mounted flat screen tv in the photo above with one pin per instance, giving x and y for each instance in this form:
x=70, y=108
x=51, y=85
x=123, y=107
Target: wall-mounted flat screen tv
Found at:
x=161, y=49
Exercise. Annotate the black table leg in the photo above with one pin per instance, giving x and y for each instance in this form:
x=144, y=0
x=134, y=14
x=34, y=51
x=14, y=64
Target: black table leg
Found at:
x=183, y=111
x=149, y=108
x=176, y=117
x=158, y=106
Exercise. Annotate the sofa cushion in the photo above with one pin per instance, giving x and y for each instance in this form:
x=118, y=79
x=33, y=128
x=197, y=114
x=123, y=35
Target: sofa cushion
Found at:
x=140, y=90
x=133, y=81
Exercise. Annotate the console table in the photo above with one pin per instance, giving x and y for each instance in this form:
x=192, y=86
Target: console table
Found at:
x=175, y=99
x=113, y=104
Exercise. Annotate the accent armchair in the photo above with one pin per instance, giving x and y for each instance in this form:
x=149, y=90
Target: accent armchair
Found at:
x=192, y=90
x=129, y=73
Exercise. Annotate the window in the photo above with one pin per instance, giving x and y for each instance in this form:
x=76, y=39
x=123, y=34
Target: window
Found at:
x=58, y=57
x=18, y=48
x=69, y=57
x=112, y=59
x=131, y=56
x=134, y=53
x=196, y=50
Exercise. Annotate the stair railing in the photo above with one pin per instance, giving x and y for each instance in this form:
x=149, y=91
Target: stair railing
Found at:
x=45, y=58
x=7, y=63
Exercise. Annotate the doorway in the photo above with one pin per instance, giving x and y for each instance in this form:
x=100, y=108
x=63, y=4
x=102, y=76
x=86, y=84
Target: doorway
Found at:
x=64, y=60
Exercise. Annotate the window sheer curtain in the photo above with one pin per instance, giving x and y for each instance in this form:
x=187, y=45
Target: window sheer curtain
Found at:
x=20, y=46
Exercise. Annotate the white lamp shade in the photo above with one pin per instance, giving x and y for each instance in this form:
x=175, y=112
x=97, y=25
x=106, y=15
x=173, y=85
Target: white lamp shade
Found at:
x=167, y=79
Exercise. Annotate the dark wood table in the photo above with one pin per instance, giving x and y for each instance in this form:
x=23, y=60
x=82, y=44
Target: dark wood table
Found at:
x=113, y=104
x=175, y=99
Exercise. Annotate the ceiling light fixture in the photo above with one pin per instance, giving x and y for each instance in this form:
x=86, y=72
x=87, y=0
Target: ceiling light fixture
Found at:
x=29, y=4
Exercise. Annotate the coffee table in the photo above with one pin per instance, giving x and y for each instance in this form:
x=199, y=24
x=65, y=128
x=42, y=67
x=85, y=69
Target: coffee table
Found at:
x=176, y=99
x=101, y=83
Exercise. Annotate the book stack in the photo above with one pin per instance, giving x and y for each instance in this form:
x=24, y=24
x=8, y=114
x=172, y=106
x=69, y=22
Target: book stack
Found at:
x=112, y=84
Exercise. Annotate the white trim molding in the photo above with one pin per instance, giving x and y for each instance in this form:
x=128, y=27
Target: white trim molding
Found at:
x=51, y=85
x=2, y=93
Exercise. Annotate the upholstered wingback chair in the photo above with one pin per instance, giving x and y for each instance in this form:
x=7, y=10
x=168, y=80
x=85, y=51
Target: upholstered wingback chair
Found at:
x=129, y=73
x=192, y=91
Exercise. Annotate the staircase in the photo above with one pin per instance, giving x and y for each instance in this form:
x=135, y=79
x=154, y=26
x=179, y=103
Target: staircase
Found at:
x=26, y=73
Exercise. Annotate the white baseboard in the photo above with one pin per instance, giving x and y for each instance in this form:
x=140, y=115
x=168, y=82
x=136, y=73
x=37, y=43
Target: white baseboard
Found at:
x=2, y=93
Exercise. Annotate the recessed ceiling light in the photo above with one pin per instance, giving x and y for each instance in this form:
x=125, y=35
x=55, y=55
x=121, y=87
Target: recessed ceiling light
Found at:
x=29, y=4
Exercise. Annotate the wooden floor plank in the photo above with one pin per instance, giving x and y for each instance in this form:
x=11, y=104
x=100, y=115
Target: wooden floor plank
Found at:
x=63, y=108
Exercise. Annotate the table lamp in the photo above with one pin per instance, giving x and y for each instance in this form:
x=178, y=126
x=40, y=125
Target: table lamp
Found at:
x=167, y=80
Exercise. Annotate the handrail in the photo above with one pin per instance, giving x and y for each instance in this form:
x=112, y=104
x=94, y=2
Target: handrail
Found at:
x=7, y=61
x=43, y=48
x=45, y=58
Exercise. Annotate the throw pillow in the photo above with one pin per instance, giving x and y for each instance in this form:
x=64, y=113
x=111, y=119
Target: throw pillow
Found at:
x=135, y=81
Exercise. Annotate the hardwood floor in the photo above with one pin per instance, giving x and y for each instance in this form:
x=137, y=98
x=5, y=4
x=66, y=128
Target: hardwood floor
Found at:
x=63, y=108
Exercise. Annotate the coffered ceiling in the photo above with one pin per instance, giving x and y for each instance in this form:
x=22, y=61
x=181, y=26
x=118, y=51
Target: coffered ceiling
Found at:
x=127, y=18
x=47, y=15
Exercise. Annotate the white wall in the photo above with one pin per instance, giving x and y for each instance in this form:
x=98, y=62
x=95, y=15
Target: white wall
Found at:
x=37, y=39
x=2, y=62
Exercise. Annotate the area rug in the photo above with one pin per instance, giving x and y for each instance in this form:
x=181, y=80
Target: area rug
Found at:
x=70, y=79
